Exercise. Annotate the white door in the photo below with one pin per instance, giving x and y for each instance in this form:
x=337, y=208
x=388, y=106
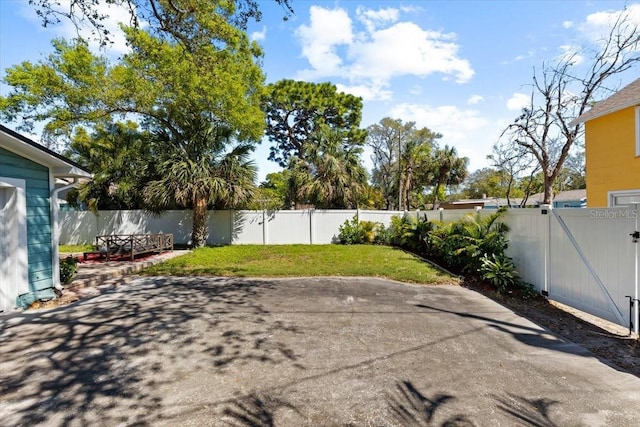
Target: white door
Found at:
x=14, y=279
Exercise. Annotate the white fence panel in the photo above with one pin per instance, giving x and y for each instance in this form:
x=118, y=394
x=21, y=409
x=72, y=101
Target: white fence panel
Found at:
x=251, y=227
x=592, y=260
x=290, y=227
x=77, y=228
x=326, y=224
x=383, y=217
x=527, y=240
x=178, y=223
x=222, y=228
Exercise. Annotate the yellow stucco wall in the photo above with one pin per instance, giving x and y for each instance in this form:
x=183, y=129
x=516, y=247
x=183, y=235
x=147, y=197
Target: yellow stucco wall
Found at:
x=611, y=160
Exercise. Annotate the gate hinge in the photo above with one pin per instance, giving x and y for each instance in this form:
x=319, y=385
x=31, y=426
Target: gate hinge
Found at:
x=635, y=236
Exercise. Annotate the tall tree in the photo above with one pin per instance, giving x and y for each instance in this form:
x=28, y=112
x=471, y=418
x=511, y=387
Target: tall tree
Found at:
x=448, y=169
x=486, y=182
x=561, y=92
x=296, y=109
x=201, y=168
x=121, y=158
x=518, y=166
x=401, y=159
x=332, y=175
x=178, y=90
x=174, y=17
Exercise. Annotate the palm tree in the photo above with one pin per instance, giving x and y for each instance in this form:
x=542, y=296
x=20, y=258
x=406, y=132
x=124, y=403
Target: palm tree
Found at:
x=449, y=169
x=198, y=173
x=119, y=153
x=336, y=178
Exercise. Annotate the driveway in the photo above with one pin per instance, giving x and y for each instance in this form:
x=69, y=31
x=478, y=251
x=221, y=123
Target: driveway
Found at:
x=292, y=352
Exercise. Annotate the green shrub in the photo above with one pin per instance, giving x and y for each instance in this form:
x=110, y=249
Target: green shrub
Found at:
x=351, y=233
x=412, y=232
x=369, y=230
x=383, y=235
x=68, y=268
x=500, y=271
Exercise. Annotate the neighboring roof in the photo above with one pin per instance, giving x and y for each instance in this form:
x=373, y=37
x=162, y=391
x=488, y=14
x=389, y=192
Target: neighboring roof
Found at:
x=489, y=201
x=563, y=196
x=626, y=97
x=60, y=166
x=532, y=200
x=570, y=195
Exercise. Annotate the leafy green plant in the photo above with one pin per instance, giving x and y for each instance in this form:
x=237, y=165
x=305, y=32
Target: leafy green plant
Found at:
x=369, y=231
x=500, y=271
x=68, y=268
x=412, y=232
x=383, y=235
x=350, y=233
x=353, y=232
x=462, y=244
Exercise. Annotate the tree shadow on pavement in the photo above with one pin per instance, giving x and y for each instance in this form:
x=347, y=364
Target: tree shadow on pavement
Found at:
x=532, y=336
x=255, y=410
x=102, y=360
x=412, y=408
x=531, y=412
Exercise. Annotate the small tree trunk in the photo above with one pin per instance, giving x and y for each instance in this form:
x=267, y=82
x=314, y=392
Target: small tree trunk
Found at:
x=199, y=231
x=548, y=189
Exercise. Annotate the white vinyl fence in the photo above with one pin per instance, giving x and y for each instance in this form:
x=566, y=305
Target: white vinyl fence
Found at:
x=585, y=258
x=225, y=227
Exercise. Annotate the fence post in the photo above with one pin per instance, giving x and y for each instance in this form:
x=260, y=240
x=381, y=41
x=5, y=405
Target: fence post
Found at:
x=441, y=214
x=264, y=227
x=636, y=297
x=311, y=226
x=545, y=210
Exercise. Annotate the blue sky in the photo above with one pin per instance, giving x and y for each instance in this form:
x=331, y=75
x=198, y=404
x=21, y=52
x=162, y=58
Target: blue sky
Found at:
x=461, y=68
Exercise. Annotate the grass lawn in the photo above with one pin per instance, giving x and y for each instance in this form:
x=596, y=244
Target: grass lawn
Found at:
x=303, y=260
x=75, y=248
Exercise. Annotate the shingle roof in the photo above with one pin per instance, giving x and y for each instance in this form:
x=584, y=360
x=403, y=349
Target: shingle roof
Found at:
x=628, y=96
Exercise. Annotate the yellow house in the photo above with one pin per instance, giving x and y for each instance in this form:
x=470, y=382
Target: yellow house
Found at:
x=612, y=149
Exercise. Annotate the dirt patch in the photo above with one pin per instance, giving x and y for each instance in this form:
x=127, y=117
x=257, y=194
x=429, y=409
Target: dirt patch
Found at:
x=609, y=342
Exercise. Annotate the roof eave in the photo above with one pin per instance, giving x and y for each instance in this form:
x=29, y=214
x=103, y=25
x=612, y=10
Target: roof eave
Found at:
x=23, y=146
x=585, y=117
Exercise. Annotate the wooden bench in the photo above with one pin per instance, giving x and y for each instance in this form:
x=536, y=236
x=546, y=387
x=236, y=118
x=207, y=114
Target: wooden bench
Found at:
x=131, y=244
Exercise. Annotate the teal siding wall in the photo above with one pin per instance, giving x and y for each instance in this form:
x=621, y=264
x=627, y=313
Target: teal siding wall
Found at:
x=38, y=215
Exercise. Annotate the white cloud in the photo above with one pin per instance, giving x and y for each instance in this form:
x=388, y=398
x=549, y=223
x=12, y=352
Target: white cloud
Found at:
x=383, y=50
x=475, y=99
x=597, y=25
x=466, y=130
x=571, y=53
x=407, y=49
x=259, y=35
x=373, y=19
x=367, y=93
x=328, y=29
x=567, y=24
x=518, y=101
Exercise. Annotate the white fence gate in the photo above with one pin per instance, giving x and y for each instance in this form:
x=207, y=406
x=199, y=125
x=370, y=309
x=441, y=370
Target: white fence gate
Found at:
x=585, y=258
